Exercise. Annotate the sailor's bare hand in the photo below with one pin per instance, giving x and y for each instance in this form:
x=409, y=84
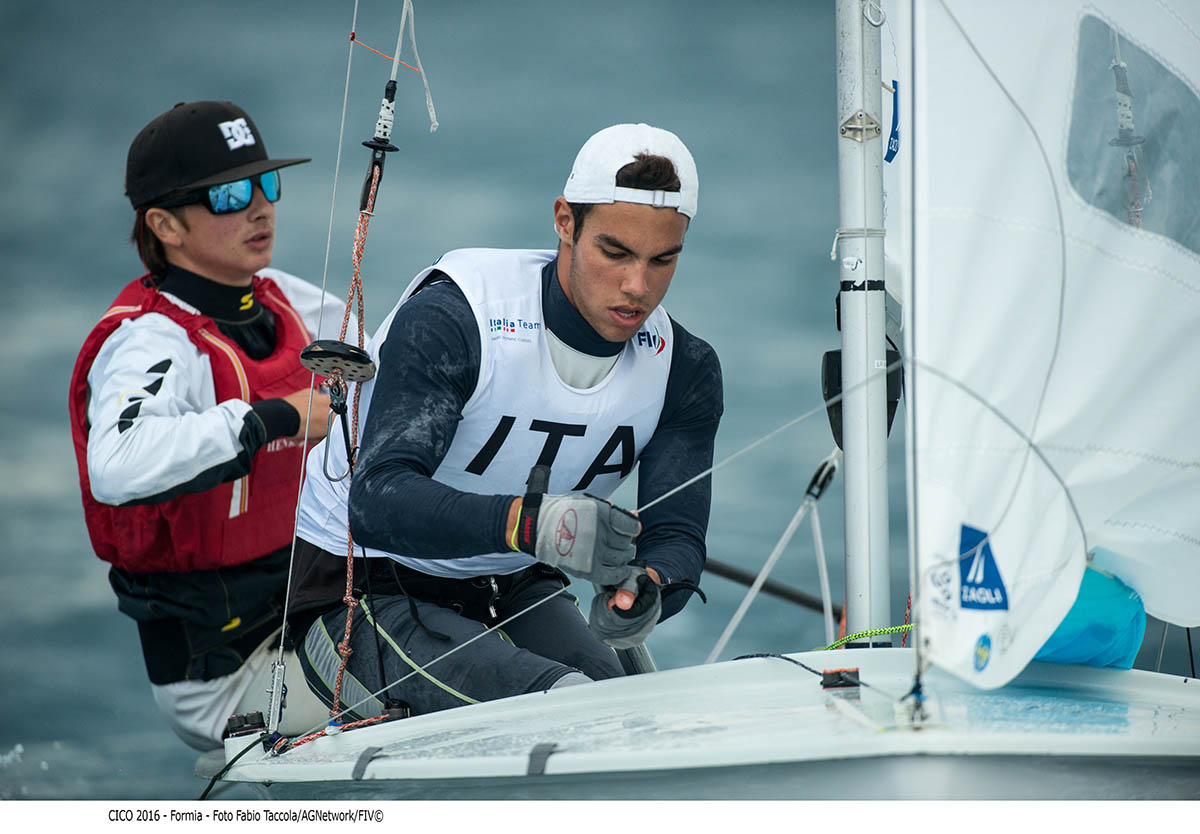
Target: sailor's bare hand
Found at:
x=316, y=421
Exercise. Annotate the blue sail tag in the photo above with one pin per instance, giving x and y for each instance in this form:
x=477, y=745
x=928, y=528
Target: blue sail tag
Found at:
x=893, y=146
x=981, y=586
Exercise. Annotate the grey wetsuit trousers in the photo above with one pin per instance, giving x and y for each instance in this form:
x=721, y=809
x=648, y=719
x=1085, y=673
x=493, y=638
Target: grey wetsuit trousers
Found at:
x=528, y=654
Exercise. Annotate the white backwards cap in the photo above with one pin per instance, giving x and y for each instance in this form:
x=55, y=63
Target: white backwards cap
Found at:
x=594, y=176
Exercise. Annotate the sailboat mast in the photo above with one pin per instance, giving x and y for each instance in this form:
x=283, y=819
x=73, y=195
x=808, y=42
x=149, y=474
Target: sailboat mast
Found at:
x=863, y=316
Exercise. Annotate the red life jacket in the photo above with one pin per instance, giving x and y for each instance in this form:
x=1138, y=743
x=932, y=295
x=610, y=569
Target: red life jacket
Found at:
x=234, y=522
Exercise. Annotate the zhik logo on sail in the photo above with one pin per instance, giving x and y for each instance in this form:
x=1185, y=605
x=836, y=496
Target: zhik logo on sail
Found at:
x=981, y=587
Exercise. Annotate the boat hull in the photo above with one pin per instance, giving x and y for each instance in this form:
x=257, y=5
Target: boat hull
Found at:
x=765, y=728
x=893, y=777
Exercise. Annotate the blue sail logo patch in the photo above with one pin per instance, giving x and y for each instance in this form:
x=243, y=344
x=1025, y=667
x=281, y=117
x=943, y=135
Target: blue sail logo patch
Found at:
x=981, y=587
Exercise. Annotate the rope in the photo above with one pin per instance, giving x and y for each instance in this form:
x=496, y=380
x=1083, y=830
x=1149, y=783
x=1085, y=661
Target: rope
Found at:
x=285, y=744
x=870, y=632
x=409, y=16
x=353, y=39
x=356, y=292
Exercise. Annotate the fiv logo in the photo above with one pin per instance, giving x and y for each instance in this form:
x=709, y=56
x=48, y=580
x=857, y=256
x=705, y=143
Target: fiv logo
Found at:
x=237, y=134
x=981, y=586
x=656, y=340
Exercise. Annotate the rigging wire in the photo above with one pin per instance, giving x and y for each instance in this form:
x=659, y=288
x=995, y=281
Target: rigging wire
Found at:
x=816, y=487
x=780, y=546
x=834, y=400
x=910, y=350
x=337, y=165
x=274, y=710
x=822, y=573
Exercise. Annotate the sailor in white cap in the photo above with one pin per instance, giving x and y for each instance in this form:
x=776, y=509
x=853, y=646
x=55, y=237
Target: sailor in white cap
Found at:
x=516, y=390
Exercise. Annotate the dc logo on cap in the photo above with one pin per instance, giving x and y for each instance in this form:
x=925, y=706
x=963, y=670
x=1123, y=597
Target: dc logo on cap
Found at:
x=237, y=134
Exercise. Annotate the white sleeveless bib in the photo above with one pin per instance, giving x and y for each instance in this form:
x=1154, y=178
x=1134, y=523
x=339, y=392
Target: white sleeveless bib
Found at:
x=520, y=413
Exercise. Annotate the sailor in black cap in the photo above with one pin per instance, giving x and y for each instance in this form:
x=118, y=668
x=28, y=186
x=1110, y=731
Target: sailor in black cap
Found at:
x=188, y=413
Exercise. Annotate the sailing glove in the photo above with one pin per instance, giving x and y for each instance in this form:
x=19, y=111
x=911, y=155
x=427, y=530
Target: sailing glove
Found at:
x=626, y=629
x=582, y=535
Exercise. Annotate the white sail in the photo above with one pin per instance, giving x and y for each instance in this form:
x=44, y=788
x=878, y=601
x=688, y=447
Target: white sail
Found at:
x=1055, y=243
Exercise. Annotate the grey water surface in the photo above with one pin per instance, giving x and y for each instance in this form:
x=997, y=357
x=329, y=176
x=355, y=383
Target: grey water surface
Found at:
x=518, y=87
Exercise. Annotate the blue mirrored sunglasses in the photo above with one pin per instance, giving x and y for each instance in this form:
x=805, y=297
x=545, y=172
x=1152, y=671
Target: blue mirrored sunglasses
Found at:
x=229, y=197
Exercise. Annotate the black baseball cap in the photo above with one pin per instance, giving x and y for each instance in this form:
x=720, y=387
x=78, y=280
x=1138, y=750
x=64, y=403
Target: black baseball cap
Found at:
x=194, y=145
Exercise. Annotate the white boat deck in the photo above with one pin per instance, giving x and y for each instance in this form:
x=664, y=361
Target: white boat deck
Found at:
x=765, y=727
